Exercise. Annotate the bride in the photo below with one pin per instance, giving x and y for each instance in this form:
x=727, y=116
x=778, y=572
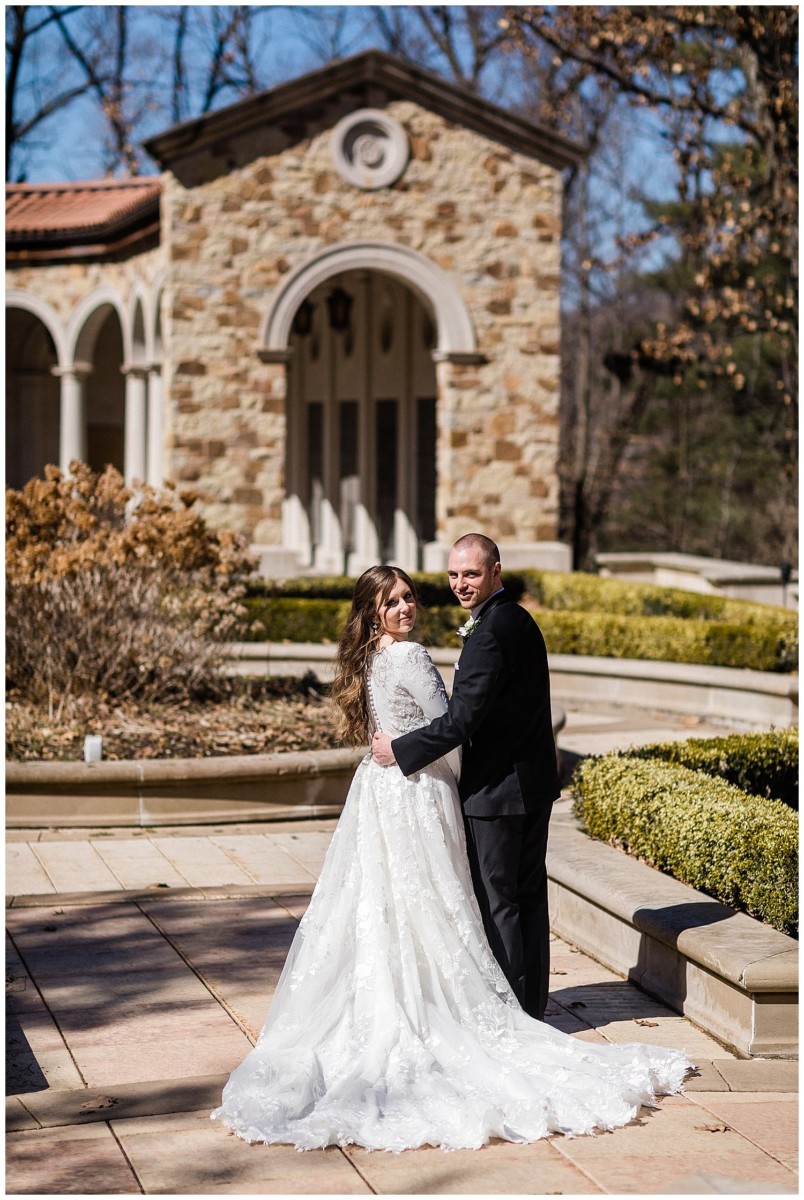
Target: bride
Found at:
x=392, y=1025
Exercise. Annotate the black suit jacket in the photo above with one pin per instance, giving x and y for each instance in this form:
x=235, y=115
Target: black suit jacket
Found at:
x=500, y=713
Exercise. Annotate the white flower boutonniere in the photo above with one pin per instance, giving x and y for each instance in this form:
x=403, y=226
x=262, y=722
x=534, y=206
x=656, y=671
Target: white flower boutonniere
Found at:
x=468, y=629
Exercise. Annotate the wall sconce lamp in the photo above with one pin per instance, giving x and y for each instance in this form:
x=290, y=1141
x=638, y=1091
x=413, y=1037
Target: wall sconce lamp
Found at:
x=303, y=320
x=339, y=304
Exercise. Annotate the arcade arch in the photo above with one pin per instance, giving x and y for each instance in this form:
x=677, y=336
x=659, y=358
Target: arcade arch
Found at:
x=91, y=391
x=32, y=397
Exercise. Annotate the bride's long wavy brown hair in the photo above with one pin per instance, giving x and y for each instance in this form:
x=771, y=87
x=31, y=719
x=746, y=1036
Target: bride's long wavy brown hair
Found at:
x=357, y=646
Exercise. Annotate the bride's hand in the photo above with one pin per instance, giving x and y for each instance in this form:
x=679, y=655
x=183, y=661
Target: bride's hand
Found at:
x=381, y=750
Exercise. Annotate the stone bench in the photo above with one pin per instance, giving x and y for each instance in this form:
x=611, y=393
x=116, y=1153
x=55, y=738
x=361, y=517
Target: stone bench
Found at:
x=731, y=975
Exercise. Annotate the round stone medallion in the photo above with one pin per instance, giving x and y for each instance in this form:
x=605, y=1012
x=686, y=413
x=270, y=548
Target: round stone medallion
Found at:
x=369, y=149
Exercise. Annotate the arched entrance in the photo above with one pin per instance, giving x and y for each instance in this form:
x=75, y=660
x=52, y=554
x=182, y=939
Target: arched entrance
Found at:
x=101, y=345
x=361, y=406
x=32, y=398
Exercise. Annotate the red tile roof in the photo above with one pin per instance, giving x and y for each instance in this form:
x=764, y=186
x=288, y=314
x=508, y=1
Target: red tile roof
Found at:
x=90, y=217
x=77, y=208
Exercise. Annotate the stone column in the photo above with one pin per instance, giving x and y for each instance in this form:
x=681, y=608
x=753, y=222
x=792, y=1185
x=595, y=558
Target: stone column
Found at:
x=72, y=413
x=156, y=428
x=134, y=439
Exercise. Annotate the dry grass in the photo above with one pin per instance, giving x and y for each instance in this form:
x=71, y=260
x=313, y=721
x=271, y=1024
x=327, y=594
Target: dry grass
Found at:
x=281, y=714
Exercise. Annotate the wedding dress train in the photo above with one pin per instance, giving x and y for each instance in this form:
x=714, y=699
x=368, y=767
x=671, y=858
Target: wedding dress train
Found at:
x=392, y=1025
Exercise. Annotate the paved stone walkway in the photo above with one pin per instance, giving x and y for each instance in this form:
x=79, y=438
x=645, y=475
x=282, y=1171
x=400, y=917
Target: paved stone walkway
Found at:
x=140, y=967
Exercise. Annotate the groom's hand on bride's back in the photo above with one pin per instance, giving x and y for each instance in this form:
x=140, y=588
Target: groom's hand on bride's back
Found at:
x=381, y=750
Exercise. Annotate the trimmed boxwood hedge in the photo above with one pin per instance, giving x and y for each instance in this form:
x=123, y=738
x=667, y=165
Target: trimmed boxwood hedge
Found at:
x=434, y=591
x=741, y=849
x=670, y=639
x=578, y=614
x=762, y=764
x=580, y=591
x=290, y=620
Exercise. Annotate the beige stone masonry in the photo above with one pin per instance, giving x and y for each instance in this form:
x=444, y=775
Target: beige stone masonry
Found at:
x=487, y=216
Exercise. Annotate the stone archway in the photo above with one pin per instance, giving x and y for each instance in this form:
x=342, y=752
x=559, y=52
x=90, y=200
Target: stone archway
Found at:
x=347, y=509
x=455, y=335
x=105, y=390
x=361, y=425
x=32, y=397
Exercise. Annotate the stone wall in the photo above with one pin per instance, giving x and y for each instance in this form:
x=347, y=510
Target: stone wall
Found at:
x=486, y=215
x=66, y=286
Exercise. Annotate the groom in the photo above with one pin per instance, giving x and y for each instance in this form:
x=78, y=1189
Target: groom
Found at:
x=500, y=713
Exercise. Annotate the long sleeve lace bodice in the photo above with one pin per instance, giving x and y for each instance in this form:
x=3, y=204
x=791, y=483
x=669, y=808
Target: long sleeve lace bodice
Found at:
x=406, y=692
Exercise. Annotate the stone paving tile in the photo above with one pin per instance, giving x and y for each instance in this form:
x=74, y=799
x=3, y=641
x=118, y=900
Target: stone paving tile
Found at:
x=200, y=861
x=225, y=925
x=759, y=1075
x=145, y=1021
x=150, y=1099
x=67, y=1161
x=707, y=1183
x=188, y=1153
x=17, y=1116
x=99, y=958
x=309, y=849
x=265, y=859
x=23, y=835
x=29, y=1073
x=138, y=864
x=105, y=997
x=670, y=1144
x=500, y=1168
x=126, y=832
x=36, y=1030
x=248, y=1001
x=237, y=946
x=615, y=1008
x=22, y=995
x=155, y=1034
x=25, y=874
x=707, y=1078
x=74, y=866
x=138, y=1059
x=295, y=905
x=770, y=1120
x=73, y=925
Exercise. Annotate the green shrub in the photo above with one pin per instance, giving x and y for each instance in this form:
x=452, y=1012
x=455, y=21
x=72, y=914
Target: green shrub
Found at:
x=762, y=764
x=439, y=626
x=291, y=620
x=284, y=619
x=582, y=592
x=318, y=587
x=434, y=591
x=741, y=849
x=671, y=639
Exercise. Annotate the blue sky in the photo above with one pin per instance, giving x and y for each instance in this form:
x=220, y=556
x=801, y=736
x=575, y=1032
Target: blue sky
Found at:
x=291, y=40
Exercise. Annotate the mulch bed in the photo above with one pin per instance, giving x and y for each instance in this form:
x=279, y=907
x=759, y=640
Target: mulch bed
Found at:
x=258, y=718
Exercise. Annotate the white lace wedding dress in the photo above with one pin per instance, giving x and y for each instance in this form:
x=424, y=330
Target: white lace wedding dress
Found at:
x=392, y=1026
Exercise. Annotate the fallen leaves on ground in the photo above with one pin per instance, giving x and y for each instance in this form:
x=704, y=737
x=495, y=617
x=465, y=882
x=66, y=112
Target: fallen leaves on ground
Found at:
x=274, y=715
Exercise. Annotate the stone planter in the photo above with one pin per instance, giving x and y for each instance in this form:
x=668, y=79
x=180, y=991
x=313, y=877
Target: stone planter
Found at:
x=182, y=791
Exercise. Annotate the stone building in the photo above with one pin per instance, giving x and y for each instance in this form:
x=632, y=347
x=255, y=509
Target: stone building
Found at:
x=334, y=314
